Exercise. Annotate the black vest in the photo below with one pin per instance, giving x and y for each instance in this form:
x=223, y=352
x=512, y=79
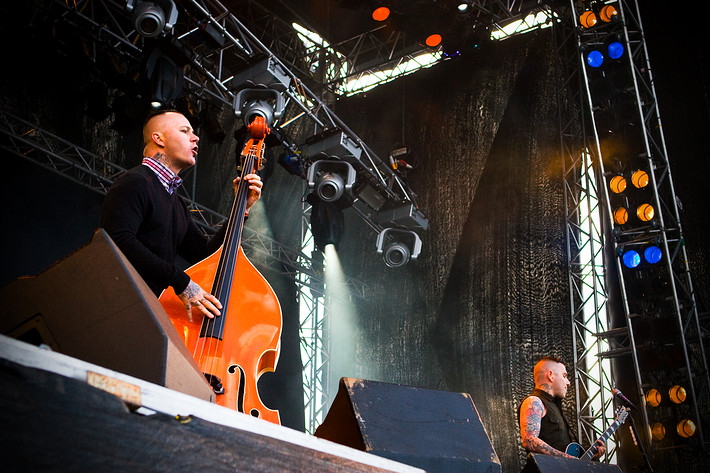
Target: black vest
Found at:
x=554, y=429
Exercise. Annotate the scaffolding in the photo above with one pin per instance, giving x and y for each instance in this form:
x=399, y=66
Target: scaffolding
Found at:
x=618, y=295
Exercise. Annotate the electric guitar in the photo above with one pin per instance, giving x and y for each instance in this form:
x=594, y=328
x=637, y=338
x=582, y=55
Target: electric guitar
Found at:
x=576, y=449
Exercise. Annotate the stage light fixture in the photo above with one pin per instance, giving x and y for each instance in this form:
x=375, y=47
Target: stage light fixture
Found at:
x=331, y=180
x=463, y=6
x=397, y=253
x=369, y=194
x=165, y=77
x=639, y=179
x=251, y=103
x=677, y=394
x=327, y=223
x=658, y=431
x=653, y=397
x=595, y=59
x=685, y=428
x=631, y=259
x=652, y=254
x=265, y=74
x=608, y=13
x=621, y=216
x=645, y=212
x=617, y=184
x=153, y=19
x=433, y=40
x=332, y=142
x=588, y=19
x=615, y=49
x=381, y=13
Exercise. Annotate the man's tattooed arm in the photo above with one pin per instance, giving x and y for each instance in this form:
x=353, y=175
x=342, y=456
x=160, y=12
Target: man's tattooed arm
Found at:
x=531, y=413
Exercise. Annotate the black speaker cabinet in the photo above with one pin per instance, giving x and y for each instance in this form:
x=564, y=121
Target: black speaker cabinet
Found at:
x=438, y=431
x=539, y=463
x=93, y=305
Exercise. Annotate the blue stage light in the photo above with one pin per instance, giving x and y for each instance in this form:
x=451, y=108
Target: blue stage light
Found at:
x=631, y=259
x=615, y=50
x=595, y=58
x=652, y=254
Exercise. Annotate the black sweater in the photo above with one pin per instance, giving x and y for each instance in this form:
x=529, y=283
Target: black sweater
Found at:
x=152, y=227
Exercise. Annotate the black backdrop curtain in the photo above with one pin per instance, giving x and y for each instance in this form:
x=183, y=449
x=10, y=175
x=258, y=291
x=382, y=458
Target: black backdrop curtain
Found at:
x=488, y=295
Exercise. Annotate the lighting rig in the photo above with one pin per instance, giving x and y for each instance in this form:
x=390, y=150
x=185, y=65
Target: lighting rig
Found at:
x=199, y=49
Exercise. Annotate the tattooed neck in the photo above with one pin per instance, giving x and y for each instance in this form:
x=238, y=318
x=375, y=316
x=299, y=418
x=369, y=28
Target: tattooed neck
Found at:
x=162, y=159
x=546, y=387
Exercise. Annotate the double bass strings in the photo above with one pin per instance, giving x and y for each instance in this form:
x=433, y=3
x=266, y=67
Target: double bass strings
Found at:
x=212, y=328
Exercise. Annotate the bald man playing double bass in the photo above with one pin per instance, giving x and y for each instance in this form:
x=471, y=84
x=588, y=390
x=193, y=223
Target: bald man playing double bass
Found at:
x=151, y=224
x=543, y=426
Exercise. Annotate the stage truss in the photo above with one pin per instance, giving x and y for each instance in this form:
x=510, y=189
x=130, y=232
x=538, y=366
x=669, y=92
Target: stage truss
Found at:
x=596, y=245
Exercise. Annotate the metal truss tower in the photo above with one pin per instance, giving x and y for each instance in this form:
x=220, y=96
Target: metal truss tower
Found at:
x=584, y=239
x=632, y=301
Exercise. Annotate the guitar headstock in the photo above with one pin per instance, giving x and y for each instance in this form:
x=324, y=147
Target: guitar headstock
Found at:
x=621, y=414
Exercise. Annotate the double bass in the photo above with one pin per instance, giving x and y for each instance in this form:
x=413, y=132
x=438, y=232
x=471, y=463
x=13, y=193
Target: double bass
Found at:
x=235, y=348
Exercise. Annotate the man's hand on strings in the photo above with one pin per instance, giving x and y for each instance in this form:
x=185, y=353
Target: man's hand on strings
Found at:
x=195, y=296
x=255, y=185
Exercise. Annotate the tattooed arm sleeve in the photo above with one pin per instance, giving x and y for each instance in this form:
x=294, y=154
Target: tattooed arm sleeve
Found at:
x=531, y=414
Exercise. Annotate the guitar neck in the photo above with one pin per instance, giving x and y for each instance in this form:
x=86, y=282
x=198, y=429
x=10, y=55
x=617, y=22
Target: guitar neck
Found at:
x=589, y=454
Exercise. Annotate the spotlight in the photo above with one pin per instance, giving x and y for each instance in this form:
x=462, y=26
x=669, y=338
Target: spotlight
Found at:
x=250, y=103
x=381, y=13
x=463, y=6
x=685, y=428
x=433, y=40
x=165, y=76
x=615, y=49
x=631, y=259
x=645, y=212
x=653, y=397
x=149, y=18
x=658, y=431
x=617, y=184
x=397, y=253
x=332, y=142
x=621, y=216
x=595, y=58
x=652, y=254
x=327, y=223
x=588, y=19
x=677, y=394
x=639, y=179
x=331, y=179
x=608, y=13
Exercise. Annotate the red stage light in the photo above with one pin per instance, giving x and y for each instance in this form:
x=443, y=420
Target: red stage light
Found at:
x=381, y=14
x=433, y=40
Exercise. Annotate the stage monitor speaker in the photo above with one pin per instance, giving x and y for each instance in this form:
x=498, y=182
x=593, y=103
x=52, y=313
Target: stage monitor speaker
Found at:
x=438, y=431
x=539, y=463
x=93, y=305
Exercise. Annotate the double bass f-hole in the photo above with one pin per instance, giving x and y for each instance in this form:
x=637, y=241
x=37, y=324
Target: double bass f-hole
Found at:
x=237, y=347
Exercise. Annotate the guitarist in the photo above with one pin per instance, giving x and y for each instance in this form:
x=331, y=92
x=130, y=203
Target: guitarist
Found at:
x=543, y=426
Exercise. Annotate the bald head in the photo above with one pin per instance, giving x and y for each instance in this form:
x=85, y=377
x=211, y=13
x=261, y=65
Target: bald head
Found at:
x=169, y=138
x=157, y=123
